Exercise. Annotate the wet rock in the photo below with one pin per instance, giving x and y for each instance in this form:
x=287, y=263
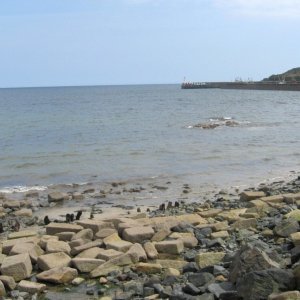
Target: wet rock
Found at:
x=31, y=287
x=201, y=279
x=191, y=289
x=250, y=258
x=17, y=266
x=218, y=289
x=260, y=284
x=286, y=227
x=191, y=267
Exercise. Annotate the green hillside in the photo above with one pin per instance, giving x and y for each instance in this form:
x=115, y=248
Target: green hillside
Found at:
x=289, y=76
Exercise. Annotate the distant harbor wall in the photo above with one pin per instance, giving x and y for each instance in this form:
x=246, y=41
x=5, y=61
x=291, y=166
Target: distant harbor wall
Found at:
x=259, y=85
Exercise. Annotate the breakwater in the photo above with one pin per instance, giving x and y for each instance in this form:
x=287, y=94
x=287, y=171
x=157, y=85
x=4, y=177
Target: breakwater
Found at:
x=259, y=85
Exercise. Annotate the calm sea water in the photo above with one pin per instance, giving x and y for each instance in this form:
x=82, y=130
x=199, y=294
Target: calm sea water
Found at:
x=81, y=134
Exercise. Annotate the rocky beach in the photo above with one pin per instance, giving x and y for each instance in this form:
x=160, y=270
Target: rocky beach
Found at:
x=156, y=240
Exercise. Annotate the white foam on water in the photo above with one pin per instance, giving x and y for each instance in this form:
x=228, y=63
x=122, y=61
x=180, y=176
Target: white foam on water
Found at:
x=21, y=189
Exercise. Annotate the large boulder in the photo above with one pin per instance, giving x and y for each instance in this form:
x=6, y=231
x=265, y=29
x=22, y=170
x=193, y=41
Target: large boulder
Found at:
x=170, y=247
x=138, y=234
x=53, y=260
x=54, y=228
x=57, y=196
x=250, y=258
x=260, y=284
x=31, y=287
x=86, y=265
x=17, y=266
x=287, y=227
x=58, y=275
x=58, y=246
x=32, y=249
x=251, y=195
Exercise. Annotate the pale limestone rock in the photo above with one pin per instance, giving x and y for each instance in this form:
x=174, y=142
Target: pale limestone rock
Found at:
x=65, y=236
x=211, y=213
x=17, y=266
x=9, y=244
x=2, y=256
x=85, y=234
x=294, y=214
x=295, y=237
x=32, y=249
x=244, y=224
x=290, y=295
x=53, y=260
x=77, y=281
x=113, y=265
x=251, y=195
x=9, y=282
x=160, y=235
x=220, y=234
x=103, y=233
x=12, y=204
x=233, y=214
x=138, y=251
x=121, y=246
x=259, y=204
x=86, y=265
x=150, y=250
x=90, y=253
x=77, y=196
x=109, y=254
x=44, y=240
x=291, y=198
x=171, y=272
x=78, y=249
x=57, y=196
x=138, y=234
x=148, y=268
x=170, y=247
x=58, y=246
x=193, y=219
x=77, y=243
x=31, y=287
x=54, y=228
x=189, y=242
x=95, y=225
x=171, y=263
x=25, y=212
x=2, y=290
x=209, y=258
x=58, y=275
x=273, y=199
x=114, y=237
x=22, y=234
x=220, y=226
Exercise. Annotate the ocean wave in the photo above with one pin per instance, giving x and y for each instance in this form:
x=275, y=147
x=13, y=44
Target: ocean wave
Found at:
x=21, y=189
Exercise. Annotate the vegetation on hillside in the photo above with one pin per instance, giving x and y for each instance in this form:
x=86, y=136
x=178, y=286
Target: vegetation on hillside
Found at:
x=292, y=75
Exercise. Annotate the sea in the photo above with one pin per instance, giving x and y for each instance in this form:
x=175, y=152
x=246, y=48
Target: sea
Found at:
x=106, y=133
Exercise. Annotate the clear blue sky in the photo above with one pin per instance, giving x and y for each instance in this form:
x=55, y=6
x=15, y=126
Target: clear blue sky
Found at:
x=91, y=42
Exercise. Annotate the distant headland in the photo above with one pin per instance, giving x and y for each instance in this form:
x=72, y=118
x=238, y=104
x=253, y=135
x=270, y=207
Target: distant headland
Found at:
x=287, y=81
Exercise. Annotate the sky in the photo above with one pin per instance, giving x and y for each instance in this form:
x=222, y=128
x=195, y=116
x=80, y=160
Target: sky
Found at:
x=111, y=42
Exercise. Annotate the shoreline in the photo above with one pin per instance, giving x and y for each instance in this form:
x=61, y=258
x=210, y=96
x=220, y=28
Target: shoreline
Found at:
x=243, y=226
